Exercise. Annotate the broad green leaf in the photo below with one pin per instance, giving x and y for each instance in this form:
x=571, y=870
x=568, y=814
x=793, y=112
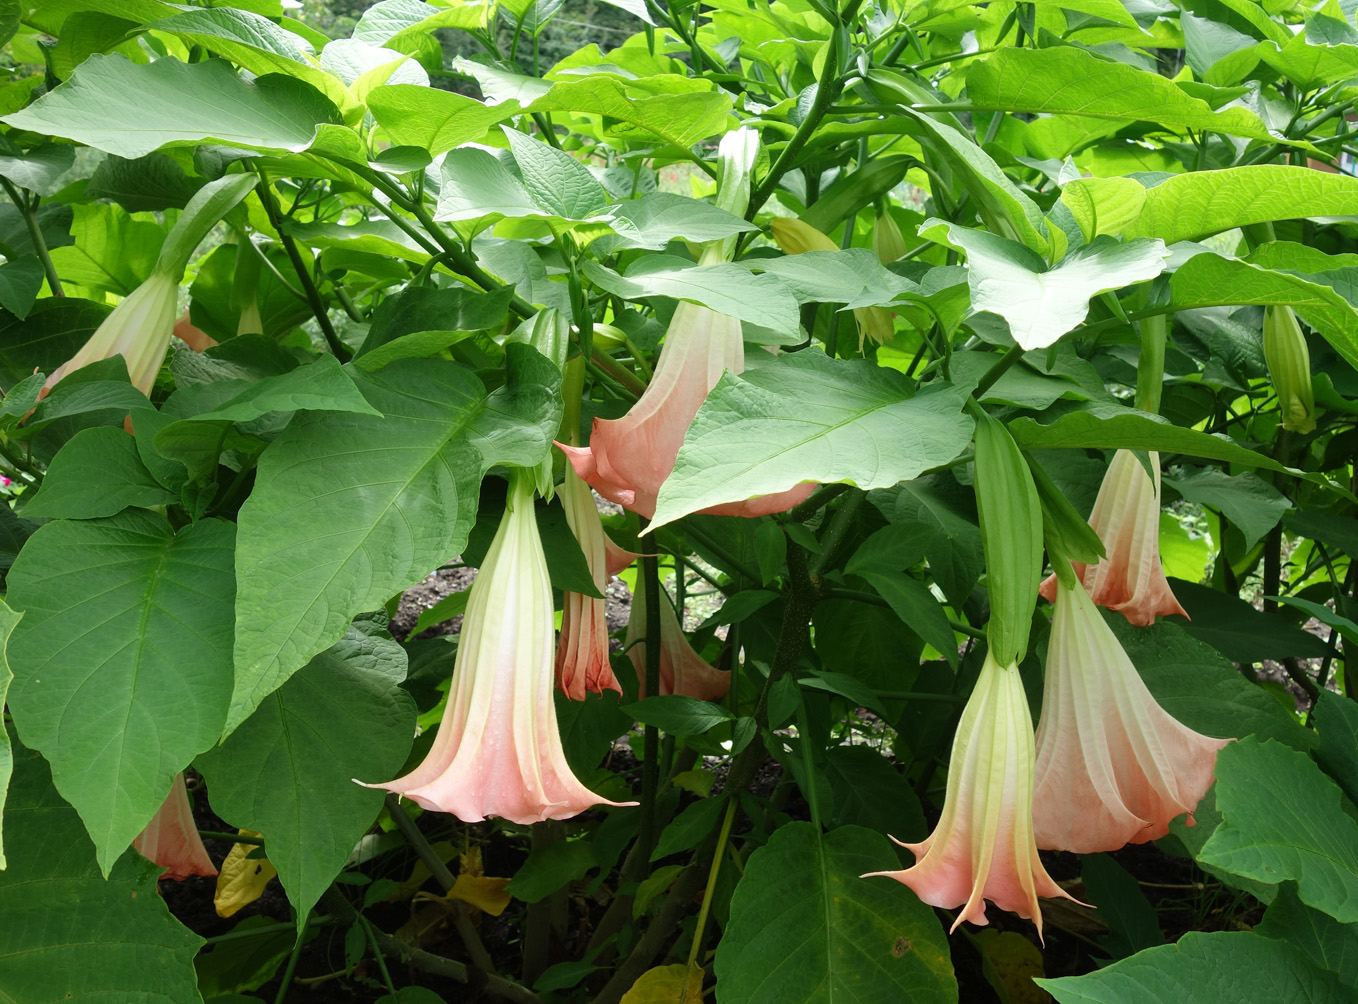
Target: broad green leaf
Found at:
x=11, y=12
x=1104, y=205
x=1250, y=503
x=678, y=715
x=1209, y=280
x=936, y=515
x=806, y=929
x=556, y=180
x=1238, y=631
x=726, y=288
x=112, y=251
x=654, y=220
x=1040, y=303
x=396, y=23
x=871, y=791
x=97, y=473
x=681, y=119
x=1326, y=942
x=176, y=103
x=51, y=17
x=551, y=866
x=805, y=417
x=1337, y=721
x=121, y=665
x=51, y=334
x=917, y=608
x=71, y=933
x=854, y=276
x=476, y=186
x=1310, y=67
x=351, y=509
x=38, y=169
x=1190, y=206
x=1282, y=820
x=445, y=315
x=21, y=280
x=1122, y=905
x=690, y=828
x=432, y=119
x=287, y=772
x=8, y=619
x=1070, y=80
x=149, y=183
x=1229, y=967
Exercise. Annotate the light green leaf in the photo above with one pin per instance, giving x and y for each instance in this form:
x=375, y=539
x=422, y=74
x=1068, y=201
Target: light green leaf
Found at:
x=1224, y=967
x=1070, y=80
x=556, y=180
x=59, y=941
x=8, y=619
x=351, y=509
x=112, y=251
x=176, y=103
x=432, y=119
x=396, y=24
x=806, y=417
x=1189, y=206
x=854, y=276
x=681, y=119
x=477, y=186
x=654, y=220
x=1250, y=503
x=1282, y=821
x=287, y=772
x=1104, y=205
x=39, y=169
x=806, y=929
x=121, y=664
x=1041, y=304
x=97, y=473
x=726, y=288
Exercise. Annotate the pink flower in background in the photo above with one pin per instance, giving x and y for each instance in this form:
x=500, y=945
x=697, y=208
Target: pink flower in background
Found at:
x=629, y=458
x=1113, y=767
x=1129, y=579
x=171, y=838
x=498, y=751
x=983, y=845
x=582, y=664
x=682, y=670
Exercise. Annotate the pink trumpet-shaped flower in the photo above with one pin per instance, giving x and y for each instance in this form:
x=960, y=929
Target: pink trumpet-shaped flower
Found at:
x=682, y=670
x=1113, y=767
x=171, y=839
x=628, y=459
x=983, y=845
x=582, y=654
x=1129, y=578
x=498, y=751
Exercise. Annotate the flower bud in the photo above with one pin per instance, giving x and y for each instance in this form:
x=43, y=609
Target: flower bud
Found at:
x=1289, y=367
x=796, y=237
x=888, y=243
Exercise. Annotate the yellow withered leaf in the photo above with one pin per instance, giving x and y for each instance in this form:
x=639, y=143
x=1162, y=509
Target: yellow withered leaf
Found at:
x=241, y=879
x=676, y=984
x=482, y=891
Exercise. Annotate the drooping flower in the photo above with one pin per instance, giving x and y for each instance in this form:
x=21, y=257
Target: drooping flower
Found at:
x=1113, y=767
x=628, y=459
x=138, y=329
x=1289, y=367
x=682, y=670
x=983, y=845
x=582, y=663
x=192, y=335
x=498, y=751
x=795, y=237
x=171, y=838
x=1129, y=578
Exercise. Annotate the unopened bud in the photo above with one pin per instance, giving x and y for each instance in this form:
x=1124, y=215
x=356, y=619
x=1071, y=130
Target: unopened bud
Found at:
x=1289, y=367
x=888, y=243
x=796, y=237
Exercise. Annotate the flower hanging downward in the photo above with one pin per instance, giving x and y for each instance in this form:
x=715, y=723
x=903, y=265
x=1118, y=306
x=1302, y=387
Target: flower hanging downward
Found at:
x=983, y=845
x=682, y=670
x=1113, y=767
x=1126, y=517
x=171, y=838
x=582, y=654
x=498, y=751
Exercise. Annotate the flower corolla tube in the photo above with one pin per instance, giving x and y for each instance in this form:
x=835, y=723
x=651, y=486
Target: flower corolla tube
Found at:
x=1129, y=578
x=138, y=329
x=171, y=838
x=629, y=458
x=498, y=751
x=682, y=670
x=1113, y=767
x=582, y=664
x=983, y=846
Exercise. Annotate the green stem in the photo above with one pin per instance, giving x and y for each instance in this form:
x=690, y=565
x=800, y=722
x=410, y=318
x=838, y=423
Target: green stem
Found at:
x=257, y=932
x=30, y=215
x=650, y=766
x=997, y=370
x=1150, y=366
x=371, y=935
x=816, y=501
x=291, y=969
x=712, y=874
x=233, y=837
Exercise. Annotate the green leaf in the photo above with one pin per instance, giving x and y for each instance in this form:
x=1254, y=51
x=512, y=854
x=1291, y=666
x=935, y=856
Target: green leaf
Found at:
x=417, y=310
x=21, y=279
x=556, y=180
x=57, y=942
x=657, y=218
x=432, y=119
x=1337, y=721
x=111, y=252
x=122, y=664
x=1326, y=942
x=176, y=103
x=917, y=608
x=1116, y=894
x=1227, y=967
x=1187, y=207
x=1282, y=821
x=39, y=169
x=97, y=473
x=690, y=828
x=351, y=509
x=287, y=772
x=678, y=715
x=936, y=515
x=870, y=791
x=806, y=417
x=1041, y=304
x=1250, y=503
x=1070, y=80
x=396, y=24
x=476, y=186
x=806, y=929
x=322, y=385
x=680, y=118
x=726, y=288
x=149, y=183
x=1240, y=632
x=1104, y=205
x=8, y=619
x=11, y=12
x=549, y=867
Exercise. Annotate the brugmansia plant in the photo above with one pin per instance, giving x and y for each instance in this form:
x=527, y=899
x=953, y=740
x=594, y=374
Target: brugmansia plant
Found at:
x=558, y=502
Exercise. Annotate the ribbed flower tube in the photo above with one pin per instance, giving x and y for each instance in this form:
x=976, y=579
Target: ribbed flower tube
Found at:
x=498, y=750
x=682, y=670
x=138, y=329
x=1113, y=767
x=983, y=847
x=171, y=838
x=1289, y=367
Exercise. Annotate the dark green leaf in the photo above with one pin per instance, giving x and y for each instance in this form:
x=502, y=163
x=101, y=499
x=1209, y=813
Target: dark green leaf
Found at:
x=678, y=715
x=97, y=473
x=549, y=867
x=1116, y=894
